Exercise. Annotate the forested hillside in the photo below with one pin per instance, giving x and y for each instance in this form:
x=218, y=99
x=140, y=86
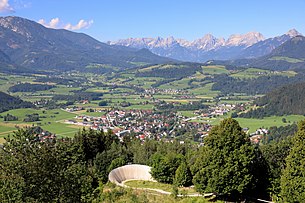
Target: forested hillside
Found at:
x=26, y=45
x=8, y=102
x=285, y=100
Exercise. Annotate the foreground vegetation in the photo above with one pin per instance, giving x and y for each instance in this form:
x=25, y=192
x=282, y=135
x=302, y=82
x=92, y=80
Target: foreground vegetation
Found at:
x=76, y=169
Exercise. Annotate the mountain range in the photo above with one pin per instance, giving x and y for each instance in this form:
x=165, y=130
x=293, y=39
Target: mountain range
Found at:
x=249, y=45
x=27, y=45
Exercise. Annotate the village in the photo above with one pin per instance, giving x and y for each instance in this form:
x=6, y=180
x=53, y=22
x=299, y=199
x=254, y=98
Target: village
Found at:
x=152, y=124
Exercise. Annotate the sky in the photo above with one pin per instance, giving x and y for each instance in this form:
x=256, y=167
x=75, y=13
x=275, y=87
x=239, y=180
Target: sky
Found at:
x=188, y=19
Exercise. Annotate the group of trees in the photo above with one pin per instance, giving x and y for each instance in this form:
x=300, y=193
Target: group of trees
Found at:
x=281, y=101
x=10, y=117
x=195, y=105
x=233, y=168
x=8, y=102
x=28, y=87
x=260, y=85
x=63, y=170
x=72, y=169
x=32, y=117
x=277, y=134
x=171, y=71
x=78, y=96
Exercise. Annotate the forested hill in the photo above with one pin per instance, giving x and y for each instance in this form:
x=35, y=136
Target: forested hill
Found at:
x=289, y=55
x=8, y=102
x=285, y=100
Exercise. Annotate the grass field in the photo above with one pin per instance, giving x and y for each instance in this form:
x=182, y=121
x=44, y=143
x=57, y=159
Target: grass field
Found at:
x=288, y=59
x=52, y=122
x=211, y=70
x=178, y=84
x=187, y=113
x=127, y=195
x=250, y=73
x=254, y=124
x=205, y=91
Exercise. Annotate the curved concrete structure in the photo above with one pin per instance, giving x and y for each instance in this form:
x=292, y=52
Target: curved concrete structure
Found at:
x=130, y=172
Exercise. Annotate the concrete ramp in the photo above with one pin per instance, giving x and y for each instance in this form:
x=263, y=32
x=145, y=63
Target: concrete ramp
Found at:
x=130, y=172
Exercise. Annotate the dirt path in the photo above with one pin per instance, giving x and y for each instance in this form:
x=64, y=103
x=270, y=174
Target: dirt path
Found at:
x=165, y=192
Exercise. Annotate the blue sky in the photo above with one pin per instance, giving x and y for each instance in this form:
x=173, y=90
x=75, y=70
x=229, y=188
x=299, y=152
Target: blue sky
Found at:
x=188, y=19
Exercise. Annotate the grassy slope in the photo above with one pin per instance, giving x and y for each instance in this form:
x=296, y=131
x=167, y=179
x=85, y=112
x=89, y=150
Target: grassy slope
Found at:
x=52, y=122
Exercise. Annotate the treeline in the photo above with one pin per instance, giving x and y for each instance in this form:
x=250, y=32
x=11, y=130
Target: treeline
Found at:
x=277, y=134
x=59, y=81
x=171, y=72
x=28, y=87
x=191, y=106
x=10, y=117
x=228, y=165
x=254, y=86
x=162, y=82
x=8, y=102
x=78, y=96
x=282, y=101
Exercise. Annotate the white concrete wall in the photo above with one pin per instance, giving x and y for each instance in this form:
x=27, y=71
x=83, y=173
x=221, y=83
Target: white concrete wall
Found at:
x=130, y=172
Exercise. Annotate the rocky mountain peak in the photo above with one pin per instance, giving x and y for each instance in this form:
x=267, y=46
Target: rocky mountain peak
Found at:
x=293, y=33
x=246, y=40
x=20, y=25
x=208, y=42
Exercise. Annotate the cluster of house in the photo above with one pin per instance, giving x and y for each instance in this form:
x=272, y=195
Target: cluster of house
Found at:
x=258, y=135
x=221, y=109
x=165, y=91
x=45, y=136
x=74, y=108
x=218, y=110
x=142, y=124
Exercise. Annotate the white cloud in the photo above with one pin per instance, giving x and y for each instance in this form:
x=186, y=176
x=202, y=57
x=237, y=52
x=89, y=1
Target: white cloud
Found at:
x=5, y=6
x=80, y=25
x=55, y=23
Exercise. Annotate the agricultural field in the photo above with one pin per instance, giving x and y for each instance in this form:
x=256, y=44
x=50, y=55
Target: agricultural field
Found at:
x=134, y=89
x=50, y=120
x=288, y=59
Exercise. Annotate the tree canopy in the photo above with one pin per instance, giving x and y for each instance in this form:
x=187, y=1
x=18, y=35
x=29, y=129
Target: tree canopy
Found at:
x=293, y=177
x=228, y=162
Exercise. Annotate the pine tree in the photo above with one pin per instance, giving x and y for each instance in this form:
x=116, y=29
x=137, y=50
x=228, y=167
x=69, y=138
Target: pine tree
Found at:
x=293, y=177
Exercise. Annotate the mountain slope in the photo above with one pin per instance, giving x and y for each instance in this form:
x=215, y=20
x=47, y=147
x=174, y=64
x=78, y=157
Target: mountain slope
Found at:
x=290, y=55
x=282, y=101
x=267, y=46
x=199, y=50
x=249, y=45
x=8, y=102
x=31, y=45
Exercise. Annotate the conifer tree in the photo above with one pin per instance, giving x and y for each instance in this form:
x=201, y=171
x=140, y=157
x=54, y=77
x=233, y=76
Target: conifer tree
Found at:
x=293, y=177
x=183, y=176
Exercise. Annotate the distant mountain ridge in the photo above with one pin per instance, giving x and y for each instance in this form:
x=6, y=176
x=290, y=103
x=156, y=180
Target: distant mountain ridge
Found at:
x=249, y=45
x=289, y=55
x=27, y=44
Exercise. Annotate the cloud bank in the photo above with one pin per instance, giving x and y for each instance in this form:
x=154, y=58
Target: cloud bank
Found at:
x=5, y=7
x=56, y=24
